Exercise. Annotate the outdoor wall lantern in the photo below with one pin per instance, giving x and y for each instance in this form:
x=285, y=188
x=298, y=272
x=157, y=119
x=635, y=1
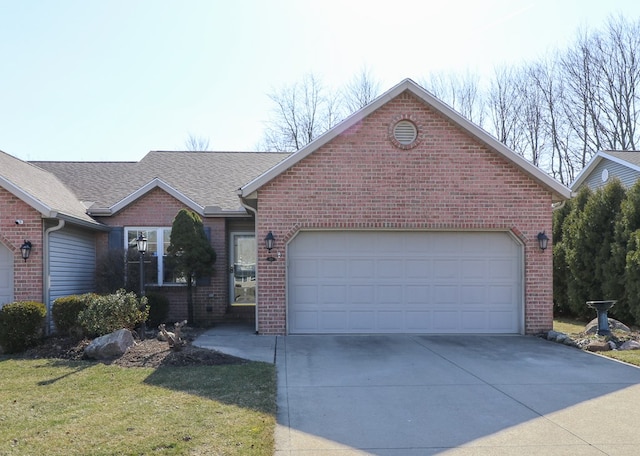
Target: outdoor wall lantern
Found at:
x=269, y=240
x=25, y=250
x=543, y=240
x=141, y=243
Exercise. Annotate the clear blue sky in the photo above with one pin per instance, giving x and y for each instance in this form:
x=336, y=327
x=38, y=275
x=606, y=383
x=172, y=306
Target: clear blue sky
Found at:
x=113, y=79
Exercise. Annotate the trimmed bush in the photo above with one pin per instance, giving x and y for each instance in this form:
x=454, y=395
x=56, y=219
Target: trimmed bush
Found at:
x=158, y=309
x=106, y=314
x=21, y=325
x=65, y=313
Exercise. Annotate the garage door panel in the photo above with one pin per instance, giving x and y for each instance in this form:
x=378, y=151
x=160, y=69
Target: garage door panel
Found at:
x=501, y=269
x=446, y=269
x=305, y=268
x=305, y=321
x=473, y=294
x=421, y=282
x=334, y=320
x=335, y=269
x=333, y=294
x=417, y=269
x=417, y=294
x=446, y=320
x=418, y=320
x=391, y=321
x=473, y=321
x=362, y=269
x=500, y=321
x=362, y=321
x=389, y=294
x=389, y=269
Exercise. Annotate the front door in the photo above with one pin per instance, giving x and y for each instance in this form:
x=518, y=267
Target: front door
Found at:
x=243, y=269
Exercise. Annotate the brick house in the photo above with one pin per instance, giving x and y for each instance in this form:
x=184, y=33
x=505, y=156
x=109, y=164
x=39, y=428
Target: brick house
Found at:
x=403, y=218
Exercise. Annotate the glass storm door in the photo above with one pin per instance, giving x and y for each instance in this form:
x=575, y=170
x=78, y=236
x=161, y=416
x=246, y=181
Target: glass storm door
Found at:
x=243, y=269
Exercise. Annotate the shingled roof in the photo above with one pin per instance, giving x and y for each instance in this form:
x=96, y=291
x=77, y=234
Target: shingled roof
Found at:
x=41, y=190
x=206, y=178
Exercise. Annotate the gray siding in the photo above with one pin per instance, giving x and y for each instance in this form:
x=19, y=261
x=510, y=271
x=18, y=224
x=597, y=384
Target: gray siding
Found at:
x=627, y=176
x=72, y=259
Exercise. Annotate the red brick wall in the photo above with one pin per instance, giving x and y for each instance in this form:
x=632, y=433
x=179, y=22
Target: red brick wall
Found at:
x=27, y=276
x=360, y=180
x=158, y=209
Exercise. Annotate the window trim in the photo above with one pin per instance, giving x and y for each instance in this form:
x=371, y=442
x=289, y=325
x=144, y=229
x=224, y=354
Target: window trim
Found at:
x=160, y=231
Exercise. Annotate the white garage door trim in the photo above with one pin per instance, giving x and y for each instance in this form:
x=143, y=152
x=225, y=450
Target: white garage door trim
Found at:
x=423, y=282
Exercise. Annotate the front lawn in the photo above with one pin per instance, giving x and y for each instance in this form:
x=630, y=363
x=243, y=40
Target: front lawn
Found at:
x=56, y=407
x=573, y=328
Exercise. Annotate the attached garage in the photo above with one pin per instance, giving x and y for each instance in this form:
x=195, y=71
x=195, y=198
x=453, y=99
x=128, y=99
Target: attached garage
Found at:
x=404, y=282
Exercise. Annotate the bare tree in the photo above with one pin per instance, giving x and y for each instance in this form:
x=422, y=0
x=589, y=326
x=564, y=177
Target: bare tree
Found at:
x=461, y=92
x=505, y=104
x=361, y=90
x=302, y=112
x=196, y=143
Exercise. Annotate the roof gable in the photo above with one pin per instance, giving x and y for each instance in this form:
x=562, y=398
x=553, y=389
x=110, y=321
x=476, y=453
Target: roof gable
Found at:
x=627, y=159
x=41, y=190
x=559, y=191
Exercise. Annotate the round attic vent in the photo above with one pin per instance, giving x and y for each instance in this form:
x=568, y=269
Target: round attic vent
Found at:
x=405, y=132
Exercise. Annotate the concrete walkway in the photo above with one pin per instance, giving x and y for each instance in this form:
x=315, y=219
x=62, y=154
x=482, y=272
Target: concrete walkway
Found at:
x=455, y=395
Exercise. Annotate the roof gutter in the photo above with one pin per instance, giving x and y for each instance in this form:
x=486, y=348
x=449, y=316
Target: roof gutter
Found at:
x=47, y=270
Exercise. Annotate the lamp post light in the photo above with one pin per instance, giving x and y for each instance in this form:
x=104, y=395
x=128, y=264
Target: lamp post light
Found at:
x=141, y=243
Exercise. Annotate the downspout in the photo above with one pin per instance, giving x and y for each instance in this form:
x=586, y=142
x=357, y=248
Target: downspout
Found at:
x=557, y=207
x=47, y=270
x=255, y=231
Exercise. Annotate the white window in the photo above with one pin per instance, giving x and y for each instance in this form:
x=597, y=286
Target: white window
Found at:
x=157, y=270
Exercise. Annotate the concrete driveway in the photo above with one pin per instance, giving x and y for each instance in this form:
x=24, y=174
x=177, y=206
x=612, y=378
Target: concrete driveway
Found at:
x=459, y=395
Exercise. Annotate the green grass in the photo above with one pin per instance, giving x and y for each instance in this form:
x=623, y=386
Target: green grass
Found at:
x=568, y=325
x=55, y=407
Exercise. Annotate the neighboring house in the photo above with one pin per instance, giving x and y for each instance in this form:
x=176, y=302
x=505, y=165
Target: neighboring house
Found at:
x=607, y=165
x=405, y=217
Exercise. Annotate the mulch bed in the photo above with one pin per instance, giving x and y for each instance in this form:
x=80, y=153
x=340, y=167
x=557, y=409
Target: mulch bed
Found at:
x=149, y=352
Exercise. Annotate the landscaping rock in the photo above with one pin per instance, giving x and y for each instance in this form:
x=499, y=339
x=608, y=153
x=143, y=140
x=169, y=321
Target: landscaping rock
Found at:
x=110, y=346
x=592, y=326
x=598, y=345
x=630, y=345
x=553, y=335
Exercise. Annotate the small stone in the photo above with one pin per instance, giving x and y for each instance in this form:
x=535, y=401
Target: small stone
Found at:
x=553, y=335
x=613, y=345
x=570, y=342
x=630, y=345
x=597, y=345
x=561, y=338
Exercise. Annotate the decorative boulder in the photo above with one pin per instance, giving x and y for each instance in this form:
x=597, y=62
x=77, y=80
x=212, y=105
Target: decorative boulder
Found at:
x=630, y=345
x=598, y=345
x=592, y=326
x=110, y=346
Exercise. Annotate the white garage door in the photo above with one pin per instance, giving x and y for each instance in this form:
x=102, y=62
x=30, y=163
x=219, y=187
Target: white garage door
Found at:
x=6, y=275
x=404, y=282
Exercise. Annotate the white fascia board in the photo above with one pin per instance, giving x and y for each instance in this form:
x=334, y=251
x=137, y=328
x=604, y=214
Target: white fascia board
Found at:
x=35, y=203
x=559, y=191
x=153, y=184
